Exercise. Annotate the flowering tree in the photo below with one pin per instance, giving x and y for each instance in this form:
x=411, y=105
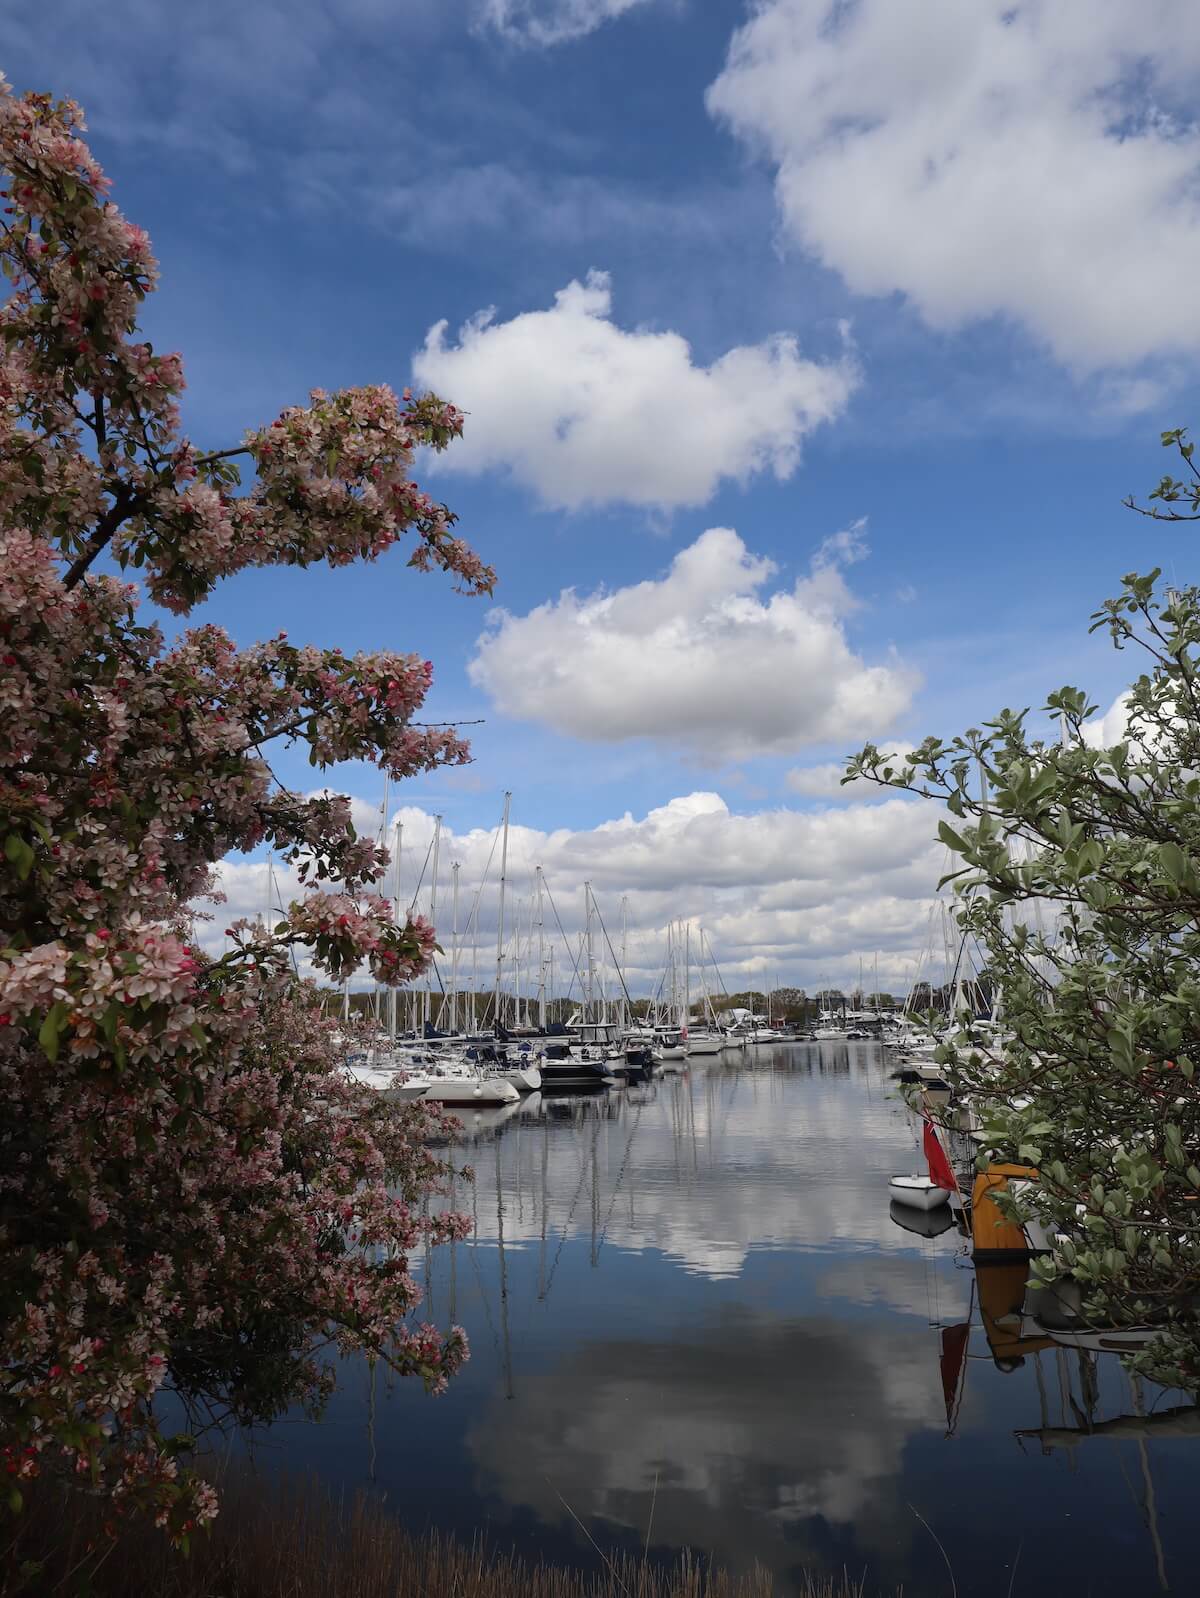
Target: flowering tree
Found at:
x=1079, y=876
x=185, y=1175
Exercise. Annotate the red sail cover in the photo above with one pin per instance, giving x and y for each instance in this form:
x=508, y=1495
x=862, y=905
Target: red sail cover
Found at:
x=940, y=1173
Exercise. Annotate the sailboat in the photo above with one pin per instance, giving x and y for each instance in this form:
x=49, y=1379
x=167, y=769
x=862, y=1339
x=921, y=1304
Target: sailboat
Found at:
x=929, y=1192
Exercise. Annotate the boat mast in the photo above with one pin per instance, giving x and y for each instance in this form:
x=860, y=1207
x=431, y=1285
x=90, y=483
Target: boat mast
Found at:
x=500, y=918
x=687, y=980
x=627, y=1018
x=673, y=1000
x=590, y=997
x=437, y=843
x=541, y=940
x=382, y=841
x=454, y=870
x=393, y=995
x=474, y=966
x=517, y=964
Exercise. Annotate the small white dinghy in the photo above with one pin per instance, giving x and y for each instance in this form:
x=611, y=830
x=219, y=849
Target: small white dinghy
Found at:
x=918, y=1192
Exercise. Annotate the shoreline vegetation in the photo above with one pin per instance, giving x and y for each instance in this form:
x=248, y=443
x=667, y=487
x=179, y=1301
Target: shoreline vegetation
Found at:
x=293, y=1538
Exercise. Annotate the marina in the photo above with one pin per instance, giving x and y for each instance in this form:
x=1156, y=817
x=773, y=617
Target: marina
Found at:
x=699, y=1320
x=759, y=1157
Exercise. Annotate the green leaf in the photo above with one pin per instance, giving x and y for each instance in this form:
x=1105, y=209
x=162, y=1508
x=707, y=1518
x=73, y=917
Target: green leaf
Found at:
x=21, y=855
x=1090, y=857
x=108, y=1023
x=51, y=1028
x=1174, y=862
x=951, y=839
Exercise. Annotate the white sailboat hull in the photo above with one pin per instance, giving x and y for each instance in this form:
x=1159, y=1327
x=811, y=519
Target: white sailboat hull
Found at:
x=525, y=1078
x=390, y=1085
x=918, y=1192
x=703, y=1045
x=470, y=1090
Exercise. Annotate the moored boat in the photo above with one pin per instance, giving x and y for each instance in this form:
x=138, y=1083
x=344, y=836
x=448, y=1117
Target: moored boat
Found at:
x=917, y=1192
x=469, y=1089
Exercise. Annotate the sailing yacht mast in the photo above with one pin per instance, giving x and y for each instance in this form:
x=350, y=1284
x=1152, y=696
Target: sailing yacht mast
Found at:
x=437, y=843
x=687, y=982
x=500, y=917
x=391, y=992
x=454, y=870
x=626, y=1017
x=590, y=996
x=541, y=944
x=517, y=964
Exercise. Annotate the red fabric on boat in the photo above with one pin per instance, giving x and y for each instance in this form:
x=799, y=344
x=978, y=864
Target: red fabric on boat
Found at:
x=940, y=1173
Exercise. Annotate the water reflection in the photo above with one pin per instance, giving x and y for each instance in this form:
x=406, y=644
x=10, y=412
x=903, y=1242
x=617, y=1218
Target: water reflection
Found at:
x=695, y=1318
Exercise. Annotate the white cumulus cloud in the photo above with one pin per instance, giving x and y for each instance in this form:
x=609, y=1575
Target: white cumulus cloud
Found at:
x=824, y=781
x=783, y=895
x=1035, y=159
x=584, y=412
x=700, y=658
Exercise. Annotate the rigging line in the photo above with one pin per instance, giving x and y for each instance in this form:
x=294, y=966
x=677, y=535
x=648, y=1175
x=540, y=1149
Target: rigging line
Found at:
x=420, y=879
x=608, y=945
x=473, y=918
x=559, y=925
x=717, y=969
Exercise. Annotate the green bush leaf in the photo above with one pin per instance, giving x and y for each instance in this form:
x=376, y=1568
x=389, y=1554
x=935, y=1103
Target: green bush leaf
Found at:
x=51, y=1029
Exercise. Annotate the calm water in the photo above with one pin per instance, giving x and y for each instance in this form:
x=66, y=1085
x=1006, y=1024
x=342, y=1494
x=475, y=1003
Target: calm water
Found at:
x=692, y=1316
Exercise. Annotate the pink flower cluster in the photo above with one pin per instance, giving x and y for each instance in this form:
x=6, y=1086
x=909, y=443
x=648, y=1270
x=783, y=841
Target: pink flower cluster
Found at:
x=180, y=1151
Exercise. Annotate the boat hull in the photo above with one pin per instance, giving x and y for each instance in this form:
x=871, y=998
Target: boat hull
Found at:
x=471, y=1090
x=701, y=1046
x=575, y=1076
x=525, y=1078
x=917, y=1193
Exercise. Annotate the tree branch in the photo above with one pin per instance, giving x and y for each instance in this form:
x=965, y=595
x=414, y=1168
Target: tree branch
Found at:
x=123, y=504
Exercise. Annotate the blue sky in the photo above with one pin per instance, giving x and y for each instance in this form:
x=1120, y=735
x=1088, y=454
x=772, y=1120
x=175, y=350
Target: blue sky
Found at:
x=914, y=273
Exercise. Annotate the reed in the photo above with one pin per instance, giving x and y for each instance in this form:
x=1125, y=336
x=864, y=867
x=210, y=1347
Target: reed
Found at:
x=295, y=1539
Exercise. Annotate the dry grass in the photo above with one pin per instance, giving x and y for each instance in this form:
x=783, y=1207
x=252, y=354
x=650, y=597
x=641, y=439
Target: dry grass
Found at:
x=285, y=1539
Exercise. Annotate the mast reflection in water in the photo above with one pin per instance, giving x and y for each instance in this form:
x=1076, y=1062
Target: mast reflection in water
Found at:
x=692, y=1312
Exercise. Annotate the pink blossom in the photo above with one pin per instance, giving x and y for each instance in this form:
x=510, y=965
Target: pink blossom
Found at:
x=186, y=1124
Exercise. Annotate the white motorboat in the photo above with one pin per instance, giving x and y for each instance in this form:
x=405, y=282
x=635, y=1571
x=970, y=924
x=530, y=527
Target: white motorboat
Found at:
x=666, y=1043
x=918, y=1192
